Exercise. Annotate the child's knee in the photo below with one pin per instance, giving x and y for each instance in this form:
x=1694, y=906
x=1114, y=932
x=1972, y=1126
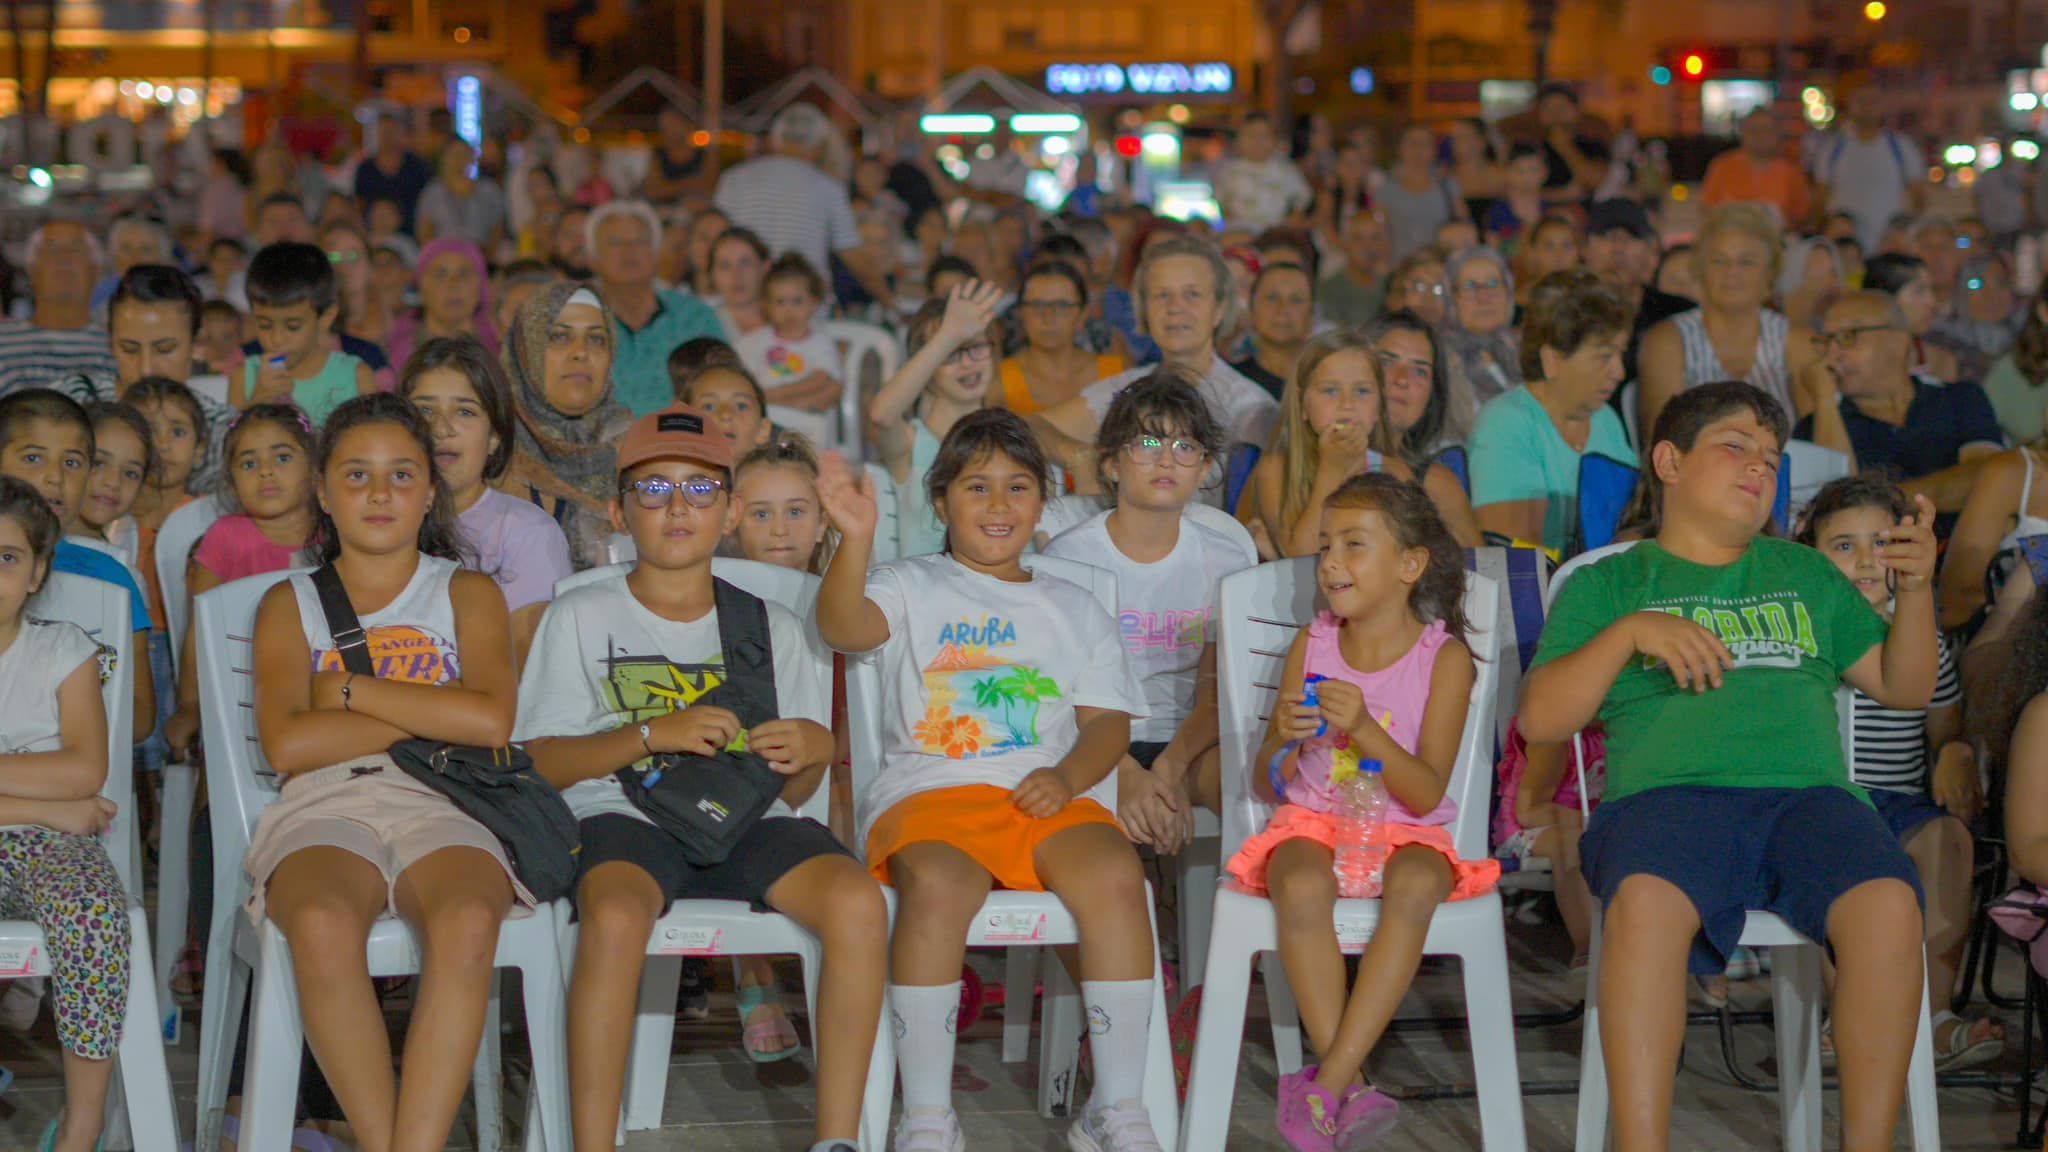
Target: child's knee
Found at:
x=320, y=926
x=464, y=929
x=1946, y=840
x=1416, y=881
x=935, y=888
x=614, y=917
x=1300, y=886
x=855, y=911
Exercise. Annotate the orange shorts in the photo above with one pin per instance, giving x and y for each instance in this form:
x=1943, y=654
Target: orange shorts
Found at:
x=1469, y=878
x=980, y=820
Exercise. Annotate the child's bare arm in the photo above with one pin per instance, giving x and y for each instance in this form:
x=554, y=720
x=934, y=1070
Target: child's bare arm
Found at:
x=476, y=710
x=1104, y=735
x=1565, y=695
x=847, y=619
x=78, y=767
x=1417, y=779
x=1900, y=673
x=1199, y=732
x=969, y=310
x=1546, y=766
x=2026, y=801
x=1291, y=721
x=87, y=817
x=296, y=735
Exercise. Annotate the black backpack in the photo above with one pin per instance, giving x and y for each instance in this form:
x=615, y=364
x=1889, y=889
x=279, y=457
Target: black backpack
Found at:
x=709, y=802
x=496, y=787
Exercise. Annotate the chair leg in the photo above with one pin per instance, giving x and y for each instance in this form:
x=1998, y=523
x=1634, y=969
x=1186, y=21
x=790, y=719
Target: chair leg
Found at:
x=1059, y=1040
x=174, y=853
x=1287, y=1050
x=270, y=1081
x=1199, y=865
x=150, y=1115
x=487, y=1076
x=1593, y=1100
x=1219, y=1038
x=654, y=1031
x=1921, y=1102
x=1795, y=1009
x=1162, y=1100
x=548, y=1043
x=881, y=1088
x=220, y=1018
x=1490, y=1011
x=1020, y=993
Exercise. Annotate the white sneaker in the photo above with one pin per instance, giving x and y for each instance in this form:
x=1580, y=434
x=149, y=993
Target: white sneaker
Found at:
x=21, y=1003
x=1124, y=1126
x=926, y=1130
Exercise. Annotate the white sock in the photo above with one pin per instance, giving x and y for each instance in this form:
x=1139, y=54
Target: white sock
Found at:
x=1119, y=1021
x=925, y=1019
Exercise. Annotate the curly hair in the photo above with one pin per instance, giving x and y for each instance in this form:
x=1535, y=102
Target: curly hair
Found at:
x=1412, y=517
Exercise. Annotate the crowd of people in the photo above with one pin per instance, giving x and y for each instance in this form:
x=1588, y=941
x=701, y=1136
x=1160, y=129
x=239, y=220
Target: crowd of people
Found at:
x=449, y=398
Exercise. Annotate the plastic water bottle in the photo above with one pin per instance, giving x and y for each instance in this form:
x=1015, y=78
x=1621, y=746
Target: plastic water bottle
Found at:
x=1361, y=796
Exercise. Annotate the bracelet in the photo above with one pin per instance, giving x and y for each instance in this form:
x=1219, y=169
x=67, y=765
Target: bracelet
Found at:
x=1273, y=775
x=347, y=689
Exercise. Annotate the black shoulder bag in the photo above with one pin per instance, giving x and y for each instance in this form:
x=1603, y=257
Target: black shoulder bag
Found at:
x=708, y=802
x=496, y=787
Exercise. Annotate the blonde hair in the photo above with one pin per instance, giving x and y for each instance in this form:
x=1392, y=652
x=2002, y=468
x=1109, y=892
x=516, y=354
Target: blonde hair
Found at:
x=1300, y=451
x=792, y=450
x=1752, y=220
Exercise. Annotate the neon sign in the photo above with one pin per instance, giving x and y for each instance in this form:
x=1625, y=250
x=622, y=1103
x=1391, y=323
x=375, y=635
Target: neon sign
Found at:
x=1170, y=79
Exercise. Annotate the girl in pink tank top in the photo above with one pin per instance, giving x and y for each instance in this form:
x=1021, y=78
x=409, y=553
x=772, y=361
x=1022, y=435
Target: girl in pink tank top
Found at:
x=1392, y=680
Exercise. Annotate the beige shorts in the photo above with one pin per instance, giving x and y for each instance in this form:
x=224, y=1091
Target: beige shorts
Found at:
x=371, y=808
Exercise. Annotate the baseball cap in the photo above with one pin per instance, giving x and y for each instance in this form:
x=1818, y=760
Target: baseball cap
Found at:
x=677, y=432
x=1620, y=215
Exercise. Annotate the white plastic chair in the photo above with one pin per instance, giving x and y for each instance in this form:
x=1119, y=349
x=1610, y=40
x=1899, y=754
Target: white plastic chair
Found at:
x=889, y=507
x=1797, y=993
x=1037, y=916
x=1260, y=613
x=181, y=532
x=141, y=1106
x=619, y=548
x=861, y=340
x=241, y=784
x=730, y=927
x=1631, y=413
x=1812, y=467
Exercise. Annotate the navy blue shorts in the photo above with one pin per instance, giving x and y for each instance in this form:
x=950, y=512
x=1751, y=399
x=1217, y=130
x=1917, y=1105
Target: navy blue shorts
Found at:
x=1905, y=812
x=1788, y=851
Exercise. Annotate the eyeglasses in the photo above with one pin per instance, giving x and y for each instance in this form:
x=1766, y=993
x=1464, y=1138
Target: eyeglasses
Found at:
x=656, y=492
x=1847, y=337
x=1050, y=307
x=1149, y=450
x=974, y=351
x=1480, y=287
x=1432, y=288
x=334, y=257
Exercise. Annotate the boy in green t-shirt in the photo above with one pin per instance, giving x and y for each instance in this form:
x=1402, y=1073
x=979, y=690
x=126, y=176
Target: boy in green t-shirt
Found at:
x=1713, y=655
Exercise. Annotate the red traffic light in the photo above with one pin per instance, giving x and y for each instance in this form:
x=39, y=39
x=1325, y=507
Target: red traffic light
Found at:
x=1694, y=65
x=1128, y=147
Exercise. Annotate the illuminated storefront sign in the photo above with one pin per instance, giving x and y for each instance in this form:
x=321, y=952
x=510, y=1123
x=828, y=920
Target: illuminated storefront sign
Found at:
x=1172, y=79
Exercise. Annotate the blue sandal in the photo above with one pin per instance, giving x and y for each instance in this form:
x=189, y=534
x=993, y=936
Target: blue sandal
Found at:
x=756, y=1038
x=49, y=1140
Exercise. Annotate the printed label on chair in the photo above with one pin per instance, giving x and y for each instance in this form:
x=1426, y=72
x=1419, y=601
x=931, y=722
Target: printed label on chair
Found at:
x=1352, y=933
x=19, y=959
x=690, y=940
x=1013, y=928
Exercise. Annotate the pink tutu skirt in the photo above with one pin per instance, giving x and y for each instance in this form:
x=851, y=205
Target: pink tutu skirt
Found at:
x=1469, y=878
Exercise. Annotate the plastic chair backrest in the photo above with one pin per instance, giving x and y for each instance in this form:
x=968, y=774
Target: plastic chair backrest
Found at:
x=864, y=675
x=1812, y=467
x=1630, y=399
x=618, y=548
x=102, y=610
x=240, y=781
x=1260, y=612
x=889, y=511
x=1606, y=486
x=1519, y=573
x=1454, y=458
x=181, y=532
x=861, y=341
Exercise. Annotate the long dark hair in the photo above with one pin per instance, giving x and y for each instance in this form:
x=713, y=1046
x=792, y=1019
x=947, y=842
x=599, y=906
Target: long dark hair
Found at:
x=1418, y=444
x=1412, y=517
x=1681, y=423
x=437, y=530
x=465, y=354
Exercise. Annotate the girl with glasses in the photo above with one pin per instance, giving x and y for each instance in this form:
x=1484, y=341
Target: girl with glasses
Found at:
x=951, y=365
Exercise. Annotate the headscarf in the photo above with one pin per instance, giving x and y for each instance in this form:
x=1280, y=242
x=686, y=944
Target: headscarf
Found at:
x=573, y=458
x=1472, y=382
x=407, y=329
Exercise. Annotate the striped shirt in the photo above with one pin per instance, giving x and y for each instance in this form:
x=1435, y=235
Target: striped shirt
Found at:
x=1891, y=745
x=32, y=357
x=792, y=207
x=1770, y=370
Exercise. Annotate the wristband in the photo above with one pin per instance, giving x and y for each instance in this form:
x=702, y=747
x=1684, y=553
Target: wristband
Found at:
x=347, y=690
x=1273, y=775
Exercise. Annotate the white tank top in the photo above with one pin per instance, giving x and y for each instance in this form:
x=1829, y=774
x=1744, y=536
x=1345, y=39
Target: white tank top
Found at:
x=412, y=639
x=2028, y=525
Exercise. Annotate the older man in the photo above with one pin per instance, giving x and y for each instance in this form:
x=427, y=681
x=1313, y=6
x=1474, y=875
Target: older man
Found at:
x=131, y=240
x=786, y=200
x=1921, y=431
x=652, y=322
x=1760, y=172
x=59, y=339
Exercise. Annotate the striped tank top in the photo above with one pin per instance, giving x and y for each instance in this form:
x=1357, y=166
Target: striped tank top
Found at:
x=1770, y=370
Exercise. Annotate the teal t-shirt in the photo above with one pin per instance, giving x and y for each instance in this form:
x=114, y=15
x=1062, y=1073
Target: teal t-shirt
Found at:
x=1517, y=454
x=333, y=386
x=640, y=362
x=1794, y=624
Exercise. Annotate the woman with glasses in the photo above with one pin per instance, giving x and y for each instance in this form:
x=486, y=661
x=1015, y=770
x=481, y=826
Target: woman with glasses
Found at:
x=455, y=300
x=362, y=316
x=1734, y=334
x=1420, y=285
x=1482, y=352
x=1987, y=316
x=1052, y=367
x=558, y=360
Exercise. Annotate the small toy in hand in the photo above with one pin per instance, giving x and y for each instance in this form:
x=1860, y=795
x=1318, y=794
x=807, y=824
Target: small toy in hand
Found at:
x=1308, y=698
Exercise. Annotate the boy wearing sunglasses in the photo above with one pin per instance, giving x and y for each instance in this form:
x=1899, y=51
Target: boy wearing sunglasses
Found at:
x=618, y=676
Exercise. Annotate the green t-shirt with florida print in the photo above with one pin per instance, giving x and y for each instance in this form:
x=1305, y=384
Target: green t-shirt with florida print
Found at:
x=1792, y=621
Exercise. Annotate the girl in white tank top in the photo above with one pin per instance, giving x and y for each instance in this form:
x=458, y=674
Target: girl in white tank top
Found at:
x=350, y=838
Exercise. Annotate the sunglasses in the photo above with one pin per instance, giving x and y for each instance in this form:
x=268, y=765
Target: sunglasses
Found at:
x=655, y=493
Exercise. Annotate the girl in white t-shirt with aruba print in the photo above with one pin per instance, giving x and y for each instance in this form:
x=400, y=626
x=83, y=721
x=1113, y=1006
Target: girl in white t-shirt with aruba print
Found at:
x=1007, y=703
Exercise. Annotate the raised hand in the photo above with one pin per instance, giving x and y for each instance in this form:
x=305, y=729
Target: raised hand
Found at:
x=1696, y=657
x=847, y=497
x=1909, y=548
x=970, y=309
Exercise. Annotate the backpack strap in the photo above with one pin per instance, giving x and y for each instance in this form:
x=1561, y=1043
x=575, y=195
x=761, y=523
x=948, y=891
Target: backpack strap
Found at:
x=342, y=624
x=749, y=652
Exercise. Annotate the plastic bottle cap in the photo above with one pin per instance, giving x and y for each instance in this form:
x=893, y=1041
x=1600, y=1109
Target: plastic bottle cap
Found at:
x=1371, y=766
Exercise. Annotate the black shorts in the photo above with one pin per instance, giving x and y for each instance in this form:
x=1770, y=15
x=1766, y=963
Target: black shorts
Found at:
x=769, y=851
x=1146, y=751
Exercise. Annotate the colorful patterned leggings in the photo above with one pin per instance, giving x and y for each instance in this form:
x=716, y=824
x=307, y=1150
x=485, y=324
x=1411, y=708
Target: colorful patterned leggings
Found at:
x=67, y=885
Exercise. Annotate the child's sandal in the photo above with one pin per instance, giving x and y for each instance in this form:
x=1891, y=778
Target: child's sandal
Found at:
x=769, y=1041
x=1960, y=1051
